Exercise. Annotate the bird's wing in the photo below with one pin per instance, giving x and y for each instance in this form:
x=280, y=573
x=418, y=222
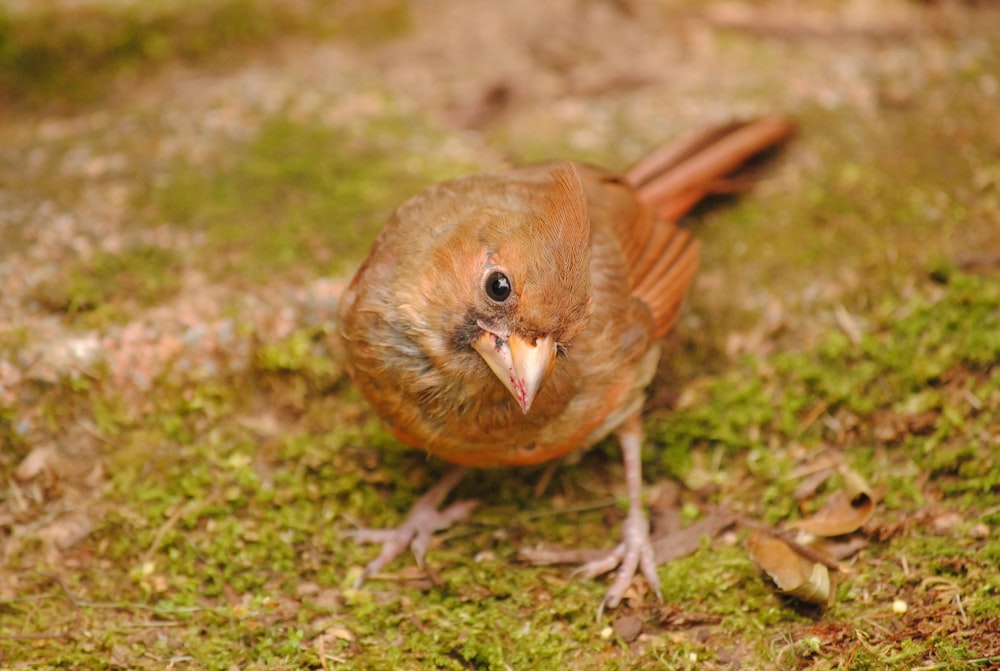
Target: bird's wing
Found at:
x=661, y=256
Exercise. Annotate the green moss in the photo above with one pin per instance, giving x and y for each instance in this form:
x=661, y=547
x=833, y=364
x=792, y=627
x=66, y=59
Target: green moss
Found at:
x=103, y=288
x=301, y=199
x=53, y=55
x=944, y=336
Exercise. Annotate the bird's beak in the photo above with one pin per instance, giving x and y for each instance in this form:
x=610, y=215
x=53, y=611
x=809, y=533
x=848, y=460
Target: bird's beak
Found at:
x=519, y=364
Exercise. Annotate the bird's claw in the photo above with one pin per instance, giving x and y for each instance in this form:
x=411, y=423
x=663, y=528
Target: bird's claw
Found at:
x=633, y=554
x=422, y=522
x=601, y=565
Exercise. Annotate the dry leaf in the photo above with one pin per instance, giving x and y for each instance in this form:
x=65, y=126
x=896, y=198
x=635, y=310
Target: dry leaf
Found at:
x=686, y=541
x=808, y=487
x=342, y=633
x=840, y=548
x=37, y=462
x=792, y=573
x=845, y=511
x=66, y=530
x=628, y=627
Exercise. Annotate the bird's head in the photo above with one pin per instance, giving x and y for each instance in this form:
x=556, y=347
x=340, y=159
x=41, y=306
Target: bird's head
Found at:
x=519, y=267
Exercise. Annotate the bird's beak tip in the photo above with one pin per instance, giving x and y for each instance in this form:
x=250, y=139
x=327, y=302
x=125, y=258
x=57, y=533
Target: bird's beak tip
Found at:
x=521, y=365
x=531, y=363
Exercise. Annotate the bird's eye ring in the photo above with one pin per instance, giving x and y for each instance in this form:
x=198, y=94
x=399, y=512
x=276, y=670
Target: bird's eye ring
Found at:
x=498, y=286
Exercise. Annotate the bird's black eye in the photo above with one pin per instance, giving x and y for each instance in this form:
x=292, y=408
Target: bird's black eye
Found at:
x=498, y=287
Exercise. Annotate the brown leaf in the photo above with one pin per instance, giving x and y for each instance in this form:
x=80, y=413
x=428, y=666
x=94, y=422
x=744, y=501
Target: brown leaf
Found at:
x=67, y=529
x=685, y=541
x=673, y=616
x=121, y=657
x=341, y=633
x=628, y=627
x=792, y=573
x=890, y=426
x=665, y=509
x=809, y=486
x=841, y=548
x=845, y=511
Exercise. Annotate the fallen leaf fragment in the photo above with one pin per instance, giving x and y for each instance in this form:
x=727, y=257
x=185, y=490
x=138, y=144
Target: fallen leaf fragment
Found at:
x=66, y=530
x=37, y=462
x=675, y=617
x=684, y=542
x=628, y=627
x=844, y=512
x=800, y=566
x=837, y=549
x=792, y=573
x=809, y=485
x=342, y=633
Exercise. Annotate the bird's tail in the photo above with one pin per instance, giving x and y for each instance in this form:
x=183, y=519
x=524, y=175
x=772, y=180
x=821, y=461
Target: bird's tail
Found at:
x=670, y=181
x=675, y=177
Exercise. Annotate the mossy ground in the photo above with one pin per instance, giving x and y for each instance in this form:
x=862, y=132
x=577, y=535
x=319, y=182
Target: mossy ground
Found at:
x=848, y=312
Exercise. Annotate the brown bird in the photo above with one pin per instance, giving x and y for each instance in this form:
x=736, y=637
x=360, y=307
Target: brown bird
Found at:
x=510, y=318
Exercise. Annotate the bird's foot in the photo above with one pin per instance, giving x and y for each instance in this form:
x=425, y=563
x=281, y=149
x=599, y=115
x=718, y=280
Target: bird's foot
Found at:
x=421, y=523
x=633, y=554
x=416, y=532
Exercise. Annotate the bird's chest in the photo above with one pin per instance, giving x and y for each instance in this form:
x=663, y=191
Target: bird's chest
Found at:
x=479, y=423
x=476, y=422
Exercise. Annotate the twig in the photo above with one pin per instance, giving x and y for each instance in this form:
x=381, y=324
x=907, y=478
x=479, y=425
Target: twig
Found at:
x=171, y=521
x=31, y=637
x=545, y=479
x=151, y=625
x=582, y=508
x=947, y=665
x=121, y=605
x=847, y=324
x=961, y=609
x=321, y=652
x=814, y=414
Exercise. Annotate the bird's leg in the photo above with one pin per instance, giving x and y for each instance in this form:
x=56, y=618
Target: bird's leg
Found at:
x=635, y=551
x=421, y=522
